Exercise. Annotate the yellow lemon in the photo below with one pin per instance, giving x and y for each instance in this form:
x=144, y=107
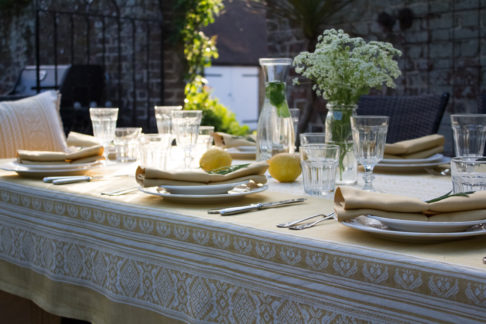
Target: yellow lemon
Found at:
x=215, y=158
x=285, y=167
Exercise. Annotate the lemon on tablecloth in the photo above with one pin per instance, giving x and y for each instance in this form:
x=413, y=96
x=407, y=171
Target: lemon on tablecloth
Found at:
x=215, y=158
x=284, y=167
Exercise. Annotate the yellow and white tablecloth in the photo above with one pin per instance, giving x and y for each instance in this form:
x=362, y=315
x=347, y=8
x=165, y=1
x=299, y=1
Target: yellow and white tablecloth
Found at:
x=139, y=259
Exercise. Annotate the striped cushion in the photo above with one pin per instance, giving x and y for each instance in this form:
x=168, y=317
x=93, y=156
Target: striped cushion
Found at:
x=32, y=123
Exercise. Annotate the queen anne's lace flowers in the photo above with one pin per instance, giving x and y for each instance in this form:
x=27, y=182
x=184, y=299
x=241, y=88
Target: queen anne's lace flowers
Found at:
x=344, y=68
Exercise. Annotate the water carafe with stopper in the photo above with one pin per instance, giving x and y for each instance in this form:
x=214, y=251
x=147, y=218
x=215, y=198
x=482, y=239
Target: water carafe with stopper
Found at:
x=275, y=131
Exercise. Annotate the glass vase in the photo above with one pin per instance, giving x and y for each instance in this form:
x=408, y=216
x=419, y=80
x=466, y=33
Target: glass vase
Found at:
x=338, y=131
x=275, y=130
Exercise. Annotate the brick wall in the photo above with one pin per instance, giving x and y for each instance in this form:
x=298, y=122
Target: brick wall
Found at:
x=444, y=50
x=135, y=86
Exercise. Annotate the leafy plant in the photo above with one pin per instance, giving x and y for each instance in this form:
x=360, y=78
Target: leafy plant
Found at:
x=199, y=50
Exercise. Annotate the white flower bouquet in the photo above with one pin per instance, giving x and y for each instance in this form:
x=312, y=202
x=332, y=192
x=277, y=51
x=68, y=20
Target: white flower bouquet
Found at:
x=344, y=68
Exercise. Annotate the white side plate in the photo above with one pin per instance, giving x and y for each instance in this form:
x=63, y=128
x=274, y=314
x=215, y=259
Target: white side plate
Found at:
x=201, y=198
x=376, y=228
x=22, y=170
x=211, y=189
x=433, y=158
x=427, y=227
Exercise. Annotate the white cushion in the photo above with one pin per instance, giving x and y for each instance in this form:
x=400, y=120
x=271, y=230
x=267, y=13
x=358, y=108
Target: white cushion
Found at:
x=33, y=123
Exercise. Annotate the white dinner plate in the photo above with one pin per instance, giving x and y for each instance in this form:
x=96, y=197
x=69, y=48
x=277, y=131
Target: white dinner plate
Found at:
x=247, y=149
x=427, y=227
x=201, y=198
x=210, y=189
x=433, y=158
x=376, y=228
x=66, y=166
x=411, y=166
x=25, y=171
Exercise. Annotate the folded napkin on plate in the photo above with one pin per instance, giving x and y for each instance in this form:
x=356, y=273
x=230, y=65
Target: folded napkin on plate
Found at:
x=417, y=148
x=149, y=177
x=81, y=140
x=350, y=202
x=85, y=155
x=227, y=140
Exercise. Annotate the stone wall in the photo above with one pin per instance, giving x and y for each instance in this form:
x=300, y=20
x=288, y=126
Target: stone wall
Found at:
x=444, y=49
x=133, y=83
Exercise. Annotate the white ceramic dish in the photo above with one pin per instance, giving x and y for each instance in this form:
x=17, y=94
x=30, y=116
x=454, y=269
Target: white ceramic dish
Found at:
x=73, y=166
x=201, y=198
x=247, y=149
x=202, y=189
x=25, y=171
x=433, y=158
x=376, y=228
x=412, y=166
x=427, y=227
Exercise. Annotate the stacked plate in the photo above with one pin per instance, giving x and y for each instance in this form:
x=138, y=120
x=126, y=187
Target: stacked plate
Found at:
x=413, y=164
x=205, y=193
x=416, y=231
x=46, y=170
x=243, y=152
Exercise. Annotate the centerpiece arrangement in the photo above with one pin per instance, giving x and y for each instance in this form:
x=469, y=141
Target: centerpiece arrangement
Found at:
x=343, y=69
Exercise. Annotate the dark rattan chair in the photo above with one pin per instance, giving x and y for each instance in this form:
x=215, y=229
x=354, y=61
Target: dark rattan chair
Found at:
x=482, y=107
x=410, y=116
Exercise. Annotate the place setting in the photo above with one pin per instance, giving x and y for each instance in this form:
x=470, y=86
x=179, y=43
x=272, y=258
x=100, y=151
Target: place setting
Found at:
x=460, y=213
x=43, y=163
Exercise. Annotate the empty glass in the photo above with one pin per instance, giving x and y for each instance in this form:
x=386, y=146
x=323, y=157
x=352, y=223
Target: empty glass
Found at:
x=163, y=117
x=295, y=114
x=319, y=163
x=369, y=137
x=468, y=174
x=312, y=138
x=185, y=125
x=469, y=134
x=153, y=150
x=103, y=121
x=204, y=143
x=126, y=143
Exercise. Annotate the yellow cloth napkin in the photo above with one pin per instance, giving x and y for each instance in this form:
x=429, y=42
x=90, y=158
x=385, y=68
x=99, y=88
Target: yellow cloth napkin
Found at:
x=81, y=140
x=227, y=140
x=150, y=177
x=85, y=155
x=417, y=148
x=350, y=202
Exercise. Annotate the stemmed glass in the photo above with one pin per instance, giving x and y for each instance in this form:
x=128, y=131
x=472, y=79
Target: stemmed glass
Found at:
x=185, y=125
x=369, y=137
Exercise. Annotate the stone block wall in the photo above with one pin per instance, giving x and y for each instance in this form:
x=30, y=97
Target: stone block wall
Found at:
x=444, y=49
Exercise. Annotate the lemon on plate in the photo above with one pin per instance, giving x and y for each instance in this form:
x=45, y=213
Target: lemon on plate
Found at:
x=215, y=158
x=284, y=167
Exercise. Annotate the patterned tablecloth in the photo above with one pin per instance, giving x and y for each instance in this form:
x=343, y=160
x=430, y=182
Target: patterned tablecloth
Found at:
x=139, y=259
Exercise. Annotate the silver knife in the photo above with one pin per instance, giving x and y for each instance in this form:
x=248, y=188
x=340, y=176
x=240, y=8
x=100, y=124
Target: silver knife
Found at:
x=59, y=180
x=259, y=206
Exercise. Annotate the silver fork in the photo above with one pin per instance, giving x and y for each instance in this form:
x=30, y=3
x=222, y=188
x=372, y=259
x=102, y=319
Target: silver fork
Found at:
x=119, y=192
x=291, y=223
x=311, y=224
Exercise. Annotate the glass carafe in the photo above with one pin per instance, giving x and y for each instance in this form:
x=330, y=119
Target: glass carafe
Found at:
x=275, y=131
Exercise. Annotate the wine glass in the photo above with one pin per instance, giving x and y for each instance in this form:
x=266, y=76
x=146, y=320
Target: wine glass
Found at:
x=369, y=137
x=185, y=125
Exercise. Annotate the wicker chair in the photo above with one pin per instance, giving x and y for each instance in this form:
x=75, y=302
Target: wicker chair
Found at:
x=410, y=116
x=482, y=107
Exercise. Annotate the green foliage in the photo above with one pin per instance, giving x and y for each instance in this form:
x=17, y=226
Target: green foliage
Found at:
x=214, y=113
x=199, y=50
